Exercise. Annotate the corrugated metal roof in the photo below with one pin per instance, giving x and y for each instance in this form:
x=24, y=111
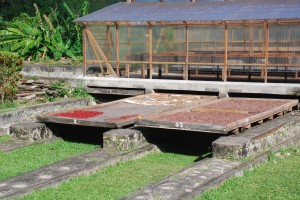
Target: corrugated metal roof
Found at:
x=201, y=11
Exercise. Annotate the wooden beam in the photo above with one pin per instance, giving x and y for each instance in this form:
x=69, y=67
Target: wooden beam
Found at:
x=127, y=66
x=97, y=57
x=266, y=51
x=94, y=43
x=108, y=43
x=150, y=48
x=166, y=69
x=143, y=71
x=224, y=72
x=127, y=70
x=117, y=50
x=95, y=54
x=84, y=50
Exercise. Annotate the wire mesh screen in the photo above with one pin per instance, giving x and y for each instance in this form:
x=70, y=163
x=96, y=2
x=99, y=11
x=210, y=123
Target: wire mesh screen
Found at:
x=168, y=43
x=284, y=45
x=246, y=45
x=133, y=43
x=206, y=44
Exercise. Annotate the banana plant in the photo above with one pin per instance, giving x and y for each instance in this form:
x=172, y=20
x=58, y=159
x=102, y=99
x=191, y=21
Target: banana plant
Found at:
x=42, y=37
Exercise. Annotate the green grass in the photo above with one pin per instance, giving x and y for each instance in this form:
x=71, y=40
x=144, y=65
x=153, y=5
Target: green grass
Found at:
x=4, y=138
x=277, y=179
x=33, y=157
x=7, y=106
x=117, y=181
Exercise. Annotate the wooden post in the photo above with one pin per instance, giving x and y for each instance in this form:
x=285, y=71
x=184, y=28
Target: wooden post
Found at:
x=84, y=49
x=251, y=44
x=166, y=69
x=224, y=72
x=186, y=68
x=127, y=66
x=266, y=51
x=117, y=50
x=143, y=71
x=127, y=70
x=108, y=44
x=150, y=49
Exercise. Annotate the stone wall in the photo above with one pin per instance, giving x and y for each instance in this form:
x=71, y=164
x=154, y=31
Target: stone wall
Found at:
x=30, y=112
x=48, y=71
x=257, y=139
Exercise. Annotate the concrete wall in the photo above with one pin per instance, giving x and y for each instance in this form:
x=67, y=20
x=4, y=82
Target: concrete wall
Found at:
x=74, y=75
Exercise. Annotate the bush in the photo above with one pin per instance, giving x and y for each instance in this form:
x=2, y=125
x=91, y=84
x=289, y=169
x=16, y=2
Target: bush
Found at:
x=10, y=66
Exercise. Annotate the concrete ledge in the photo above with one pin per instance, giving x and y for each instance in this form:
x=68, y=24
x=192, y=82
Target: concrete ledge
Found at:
x=29, y=113
x=31, y=131
x=122, y=139
x=190, y=85
x=258, y=139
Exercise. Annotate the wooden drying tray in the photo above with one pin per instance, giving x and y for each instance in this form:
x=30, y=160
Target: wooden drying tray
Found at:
x=155, y=121
x=114, y=107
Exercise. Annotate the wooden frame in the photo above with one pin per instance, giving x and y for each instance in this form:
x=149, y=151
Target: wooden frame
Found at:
x=254, y=50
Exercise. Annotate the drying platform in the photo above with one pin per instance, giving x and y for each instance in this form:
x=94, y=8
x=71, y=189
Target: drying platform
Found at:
x=220, y=116
x=124, y=112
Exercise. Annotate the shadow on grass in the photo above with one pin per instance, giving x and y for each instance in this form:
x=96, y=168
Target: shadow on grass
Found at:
x=80, y=134
x=181, y=142
x=171, y=141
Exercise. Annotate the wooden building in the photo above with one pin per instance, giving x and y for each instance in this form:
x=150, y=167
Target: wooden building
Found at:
x=191, y=39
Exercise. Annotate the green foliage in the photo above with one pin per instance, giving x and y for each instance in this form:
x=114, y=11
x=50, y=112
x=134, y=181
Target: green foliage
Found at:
x=65, y=90
x=44, y=36
x=12, y=8
x=10, y=66
x=33, y=157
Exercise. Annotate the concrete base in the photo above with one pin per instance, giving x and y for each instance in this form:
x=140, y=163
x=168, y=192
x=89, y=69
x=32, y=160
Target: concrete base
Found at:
x=257, y=139
x=189, y=85
x=122, y=139
x=31, y=131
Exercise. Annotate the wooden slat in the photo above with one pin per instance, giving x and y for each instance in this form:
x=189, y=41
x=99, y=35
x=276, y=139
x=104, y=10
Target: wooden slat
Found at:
x=207, y=128
x=218, y=110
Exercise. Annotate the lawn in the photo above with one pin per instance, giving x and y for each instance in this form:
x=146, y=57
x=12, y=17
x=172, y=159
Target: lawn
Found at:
x=4, y=138
x=117, y=181
x=279, y=179
x=33, y=157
